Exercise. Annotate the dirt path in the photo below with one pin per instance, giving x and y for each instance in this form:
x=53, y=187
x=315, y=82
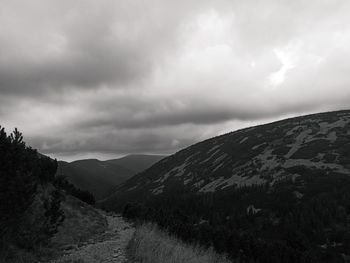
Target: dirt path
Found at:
x=108, y=247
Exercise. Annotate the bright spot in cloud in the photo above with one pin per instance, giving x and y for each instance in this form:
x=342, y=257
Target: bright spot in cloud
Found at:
x=209, y=29
x=287, y=59
x=288, y=56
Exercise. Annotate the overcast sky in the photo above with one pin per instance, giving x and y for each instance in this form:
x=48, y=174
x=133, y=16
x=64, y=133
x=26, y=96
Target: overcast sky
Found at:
x=104, y=78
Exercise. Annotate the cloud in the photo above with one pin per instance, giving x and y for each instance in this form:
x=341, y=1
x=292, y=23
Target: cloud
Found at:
x=51, y=45
x=114, y=77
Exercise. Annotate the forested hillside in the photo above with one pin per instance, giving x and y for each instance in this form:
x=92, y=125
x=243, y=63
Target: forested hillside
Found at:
x=256, y=155
x=273, y=193
x=30, y=198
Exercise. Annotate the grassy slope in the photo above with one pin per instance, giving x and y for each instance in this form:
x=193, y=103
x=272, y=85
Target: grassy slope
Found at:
x=150, y=245
x=81, y=223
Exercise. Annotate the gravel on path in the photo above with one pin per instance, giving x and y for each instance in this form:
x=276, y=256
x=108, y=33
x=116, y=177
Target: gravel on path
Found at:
x=107, y=248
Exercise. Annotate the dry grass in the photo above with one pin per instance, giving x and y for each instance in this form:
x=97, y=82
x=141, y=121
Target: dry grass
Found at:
x=150, y=245
x=81, y=223
x=12, y=254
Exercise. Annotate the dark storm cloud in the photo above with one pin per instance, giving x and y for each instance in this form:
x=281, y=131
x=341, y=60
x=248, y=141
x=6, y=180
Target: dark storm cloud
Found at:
x=154, y=76
x=87, y=70
x=117, y=142
x=131, y=113
x=83, y=46
x=146, y=114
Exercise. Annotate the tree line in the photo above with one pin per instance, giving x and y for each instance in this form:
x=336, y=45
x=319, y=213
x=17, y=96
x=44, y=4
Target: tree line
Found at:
x=30, y=194
x=285, y=225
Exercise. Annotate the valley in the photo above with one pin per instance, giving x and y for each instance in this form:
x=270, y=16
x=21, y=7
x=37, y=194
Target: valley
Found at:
x=101, y=177
x=174, y=131
x=278, y=192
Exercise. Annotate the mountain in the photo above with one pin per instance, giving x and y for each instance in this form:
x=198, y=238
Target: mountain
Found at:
x=137, y=162
x=263, y=154
x=101, y=177
x=44, y=218
x=278, y=192
x=96, y=176
x=30, y=199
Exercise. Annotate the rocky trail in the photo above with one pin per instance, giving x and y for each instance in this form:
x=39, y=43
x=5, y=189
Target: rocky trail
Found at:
x=110, y=246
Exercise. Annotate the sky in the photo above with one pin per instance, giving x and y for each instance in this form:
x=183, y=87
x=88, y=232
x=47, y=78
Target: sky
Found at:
x=101, y=79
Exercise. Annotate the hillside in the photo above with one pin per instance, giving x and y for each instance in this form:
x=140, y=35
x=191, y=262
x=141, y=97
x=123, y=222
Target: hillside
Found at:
x=44, y=218
x=90, y=235
x=30, y=199
x=93, y=175
x=101, y=177
x=137, y=162
x=278, y=192
x=150, y=245
x=263, y=154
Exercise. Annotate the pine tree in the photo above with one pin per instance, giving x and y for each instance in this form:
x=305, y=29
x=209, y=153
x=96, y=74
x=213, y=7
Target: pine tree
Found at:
x=17, y=184
x=29, y=203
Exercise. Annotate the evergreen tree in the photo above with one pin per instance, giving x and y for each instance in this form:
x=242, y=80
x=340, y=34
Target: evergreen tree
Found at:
x=29, y=204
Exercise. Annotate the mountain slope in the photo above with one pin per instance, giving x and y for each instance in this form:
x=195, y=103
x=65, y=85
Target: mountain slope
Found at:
x=137, y=162
x=101, y=177
x=93, y=175
x=278, y=192
x=262, y=154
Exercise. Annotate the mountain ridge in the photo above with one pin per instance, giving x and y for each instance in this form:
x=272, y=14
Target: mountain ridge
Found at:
x=137, y=162
x=101, y=177
x=254, y=155
x=276, y=192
